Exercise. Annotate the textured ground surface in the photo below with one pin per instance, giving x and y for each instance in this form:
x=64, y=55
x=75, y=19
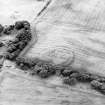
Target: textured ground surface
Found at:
x=18, y=88
x=68, y=28
x=18, y=10
x=56, y=41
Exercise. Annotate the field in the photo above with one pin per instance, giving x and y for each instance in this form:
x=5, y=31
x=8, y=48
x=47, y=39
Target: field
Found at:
x=71, y=35
x=18, y=88
x=60, y=33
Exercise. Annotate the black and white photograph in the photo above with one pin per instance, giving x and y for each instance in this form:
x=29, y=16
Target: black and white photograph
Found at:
x=52, y=52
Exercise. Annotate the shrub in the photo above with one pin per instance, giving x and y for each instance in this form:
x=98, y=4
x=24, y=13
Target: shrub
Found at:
x=22, y=24
x=68, y=72
x=8, y=29
x=94, y=77
x=19, y=25
x=43, y=73
x=101, y=79
x=1, y=44
x=19, y=60
x=1, y=28
x=75, y=75
x=11, y=48
x=37, y=69
x=69, y=81
x=84, y=77
x=10, y=56
x=15, y=41
x=24, y=35
x=21, y=45
x=96, y=84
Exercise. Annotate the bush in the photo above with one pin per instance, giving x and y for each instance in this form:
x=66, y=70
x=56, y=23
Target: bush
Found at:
x=14, y=46
x=24, y=35
x=37, y=69
x=21, y=66
x=15, y=41
x=43, y=73
x=8, y=29
x=22, y=63
x=43, y=69
x=11, y=27
x=1, y=28
x=21, y=40
x=11, y=48
x=19, y=60
x=27, y=64
x=22, y=24
x=94, y=77
x=70, y=81
x=10, y=56
x=19, y=25
x=58, y=69
x=10, y=42
x=16, y=53
x=84, y=77
x=20, y=45
x=34, y=62
x=68, y=72
x=26, y=25
x=98, y=86
x=1, y=44
x=75, y=75
x=101, y=79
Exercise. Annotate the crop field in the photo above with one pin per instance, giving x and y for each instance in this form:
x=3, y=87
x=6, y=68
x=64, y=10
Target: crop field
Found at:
x=52, y=52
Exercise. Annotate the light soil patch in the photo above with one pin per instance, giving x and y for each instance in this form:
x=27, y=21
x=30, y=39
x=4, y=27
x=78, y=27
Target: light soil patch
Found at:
x=19, y=10
x=76, y=31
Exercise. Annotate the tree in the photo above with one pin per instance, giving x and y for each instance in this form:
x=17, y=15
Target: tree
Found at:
x=70, y=81
x=7, y=30
x=22, y=24
x=1, y=44
x=1, y=28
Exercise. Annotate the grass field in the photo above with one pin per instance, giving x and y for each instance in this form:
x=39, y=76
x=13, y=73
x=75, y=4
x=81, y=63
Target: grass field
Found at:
x=59, y=38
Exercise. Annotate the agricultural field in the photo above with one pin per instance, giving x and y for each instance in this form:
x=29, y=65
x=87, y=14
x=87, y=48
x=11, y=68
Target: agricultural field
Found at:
x=52, y=52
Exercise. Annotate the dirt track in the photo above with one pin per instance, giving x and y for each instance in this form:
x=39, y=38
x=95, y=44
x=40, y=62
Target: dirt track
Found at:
x=33, y=29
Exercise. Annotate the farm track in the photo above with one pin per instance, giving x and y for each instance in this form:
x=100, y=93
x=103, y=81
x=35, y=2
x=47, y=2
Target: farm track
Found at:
x=31, y=43
x=34, y=31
